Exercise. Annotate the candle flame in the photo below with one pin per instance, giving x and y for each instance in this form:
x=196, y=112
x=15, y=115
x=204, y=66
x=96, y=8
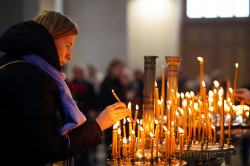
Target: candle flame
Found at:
x=196, y=106
x=192, y=94
x=113, y=91
x=156, y=122
x=230, y=90
x=189, y=109
x=156, y=84
x=209, y=115
x=169, y=102
x=181, y=110
x=136, y=107
x=215, y=91
x=129, y=105
x=184, y=103
x=164, y=127
x=114, y=127
x=119, y=131
x=236, y=65
x=178, y=95
x=163, y=66
x=151, y=134
x=203, y=84
x=124, y=121
x=181, y=131
x=133, y=132
x=182, y=95
x=229, y=117
x=210, y=99
x=129, y=139
x=213, y=127
x=138, y=122
x=177, y=114
x=159, y=102
x=141, y=122
x=141, y=129
x=200, y=59
x=202, y=116
x=211, y=108
x=210, y=93
x=187, y=95
x=220, y=103
x=124, y=140
x=128, y=119
x=173, y=123
x=247, y=114
x=216, y=83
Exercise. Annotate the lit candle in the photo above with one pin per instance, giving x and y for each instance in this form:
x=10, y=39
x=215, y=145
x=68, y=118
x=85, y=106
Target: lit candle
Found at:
x=184, y=121
x=157, y=137
x=235, y=80
x=177, y=121
x=130, y=115
x=114, y=140
x=142, y=141
x=181, y=141
x=151, y=145
x=129, y=126
x=162, y=112
x=190, y=124
x=205, y=107
x=166, y=140
x=171, y=138
x=138, y=134
x=199, y=124
x=136, y=112
x=194, y=124
x=124, y=128
x=157, y=114
x=117, y=98
x=119, y=142
x=229, y=127
x=214, y=129
x=201, y=73
x=124, y=147
x=203, y=126
x=133, y=144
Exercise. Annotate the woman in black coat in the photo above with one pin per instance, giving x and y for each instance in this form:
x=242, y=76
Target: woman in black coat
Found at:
x=39, y=121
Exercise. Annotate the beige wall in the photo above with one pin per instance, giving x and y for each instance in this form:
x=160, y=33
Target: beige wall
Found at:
x=153, y=29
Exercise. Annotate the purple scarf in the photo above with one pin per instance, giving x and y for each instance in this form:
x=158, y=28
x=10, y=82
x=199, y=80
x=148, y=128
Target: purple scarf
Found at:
x=73, y=116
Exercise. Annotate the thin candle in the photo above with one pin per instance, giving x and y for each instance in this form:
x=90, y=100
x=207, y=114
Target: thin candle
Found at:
x=117, y=98
x=124, y=127
x=124, y=147
x=229, y=127
x=136, y=112
x=162, y=112
x=214, y=129
x=181, y=141
x=151, y=145
x=157, y=137
x=201, y=73
x=142, y=141
x=235, y=80
x=138, y=134
x=119, y=142
x=166, y=140
x=157, y=114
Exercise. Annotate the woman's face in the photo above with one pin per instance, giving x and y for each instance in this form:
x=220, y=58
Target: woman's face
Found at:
x=63, y=46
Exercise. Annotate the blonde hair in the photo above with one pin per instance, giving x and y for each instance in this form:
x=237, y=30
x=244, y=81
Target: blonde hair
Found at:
x=57, y=24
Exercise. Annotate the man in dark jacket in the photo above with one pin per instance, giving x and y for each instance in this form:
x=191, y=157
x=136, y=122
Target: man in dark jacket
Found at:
x=30, y=104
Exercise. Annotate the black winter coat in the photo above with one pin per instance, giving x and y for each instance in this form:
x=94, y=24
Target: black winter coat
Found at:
x=30, y=103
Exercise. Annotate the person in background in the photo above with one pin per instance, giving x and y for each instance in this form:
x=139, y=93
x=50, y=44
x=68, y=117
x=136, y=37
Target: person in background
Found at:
x=83, y=92
x=40, y=122
x=111, y=82
x=85, y=97
x=138, y=85
x=94, y=77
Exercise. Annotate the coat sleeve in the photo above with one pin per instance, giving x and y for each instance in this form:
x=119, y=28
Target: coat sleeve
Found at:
x=39, y=135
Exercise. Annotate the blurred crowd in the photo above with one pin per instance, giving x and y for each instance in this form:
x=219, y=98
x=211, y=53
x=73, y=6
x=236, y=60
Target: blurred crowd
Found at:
x=92, y=88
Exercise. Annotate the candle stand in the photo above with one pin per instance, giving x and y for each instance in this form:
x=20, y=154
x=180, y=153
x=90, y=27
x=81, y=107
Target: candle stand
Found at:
x=181, y=129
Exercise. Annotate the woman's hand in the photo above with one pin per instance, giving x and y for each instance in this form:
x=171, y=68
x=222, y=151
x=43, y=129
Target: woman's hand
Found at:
x=243, y=94
x=111, y=114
